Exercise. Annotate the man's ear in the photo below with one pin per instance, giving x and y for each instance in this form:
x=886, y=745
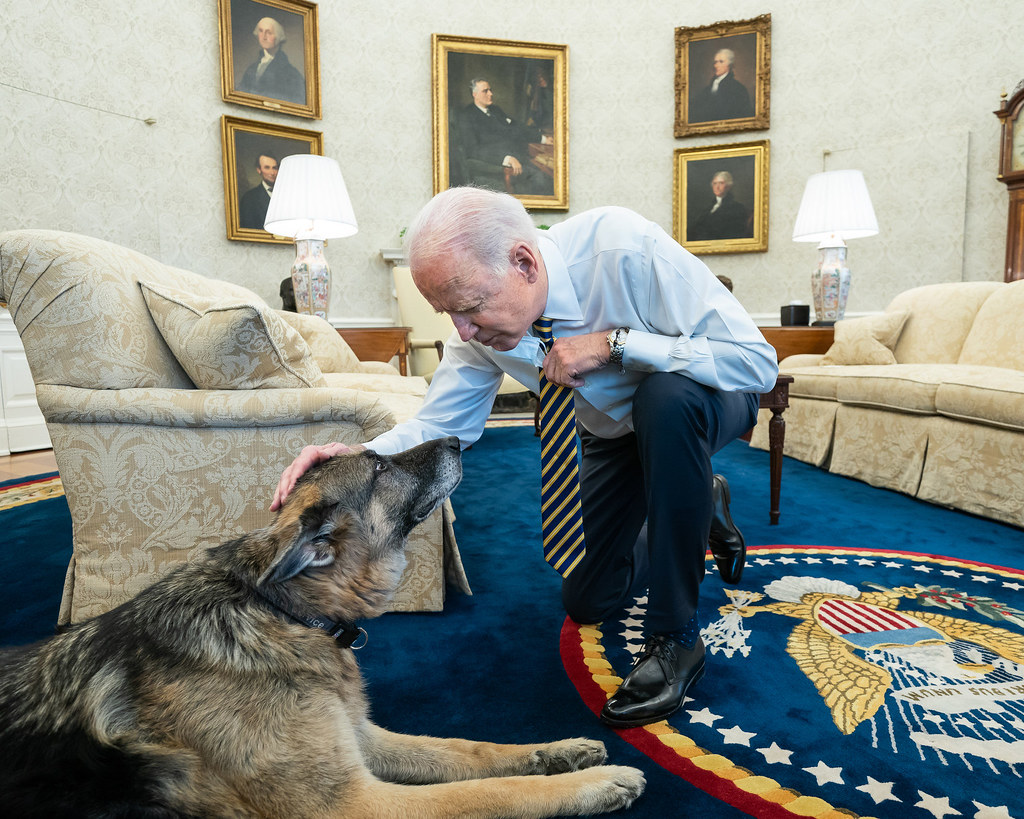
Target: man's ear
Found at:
x=524, y=260
x=311, y=548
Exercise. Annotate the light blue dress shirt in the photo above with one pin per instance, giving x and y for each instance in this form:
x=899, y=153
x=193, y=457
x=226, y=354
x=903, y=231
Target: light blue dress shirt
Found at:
x=607, y=268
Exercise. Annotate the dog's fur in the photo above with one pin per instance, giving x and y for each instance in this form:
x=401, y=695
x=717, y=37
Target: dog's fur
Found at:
x=201, y=698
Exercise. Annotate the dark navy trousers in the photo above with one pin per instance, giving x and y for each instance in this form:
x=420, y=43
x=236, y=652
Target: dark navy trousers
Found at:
x=659, y=474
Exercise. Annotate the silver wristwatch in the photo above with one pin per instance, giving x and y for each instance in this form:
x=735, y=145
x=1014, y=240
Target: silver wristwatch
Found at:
x=617, y=345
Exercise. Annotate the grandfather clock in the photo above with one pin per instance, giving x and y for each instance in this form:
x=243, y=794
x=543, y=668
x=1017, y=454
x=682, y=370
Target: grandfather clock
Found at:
x=1011, y=171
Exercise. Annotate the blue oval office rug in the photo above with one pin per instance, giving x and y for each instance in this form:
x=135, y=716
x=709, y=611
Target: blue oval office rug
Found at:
x=870, y=663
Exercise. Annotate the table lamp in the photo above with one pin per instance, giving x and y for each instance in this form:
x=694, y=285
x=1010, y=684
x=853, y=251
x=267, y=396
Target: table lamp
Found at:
x=310, y=204
x=835, y=207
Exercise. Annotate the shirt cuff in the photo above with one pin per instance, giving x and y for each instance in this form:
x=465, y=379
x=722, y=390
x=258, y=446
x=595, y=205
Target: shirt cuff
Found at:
x=649, y=352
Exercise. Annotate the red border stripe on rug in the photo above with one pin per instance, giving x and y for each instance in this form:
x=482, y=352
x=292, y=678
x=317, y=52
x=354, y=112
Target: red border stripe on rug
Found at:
x=647, y=743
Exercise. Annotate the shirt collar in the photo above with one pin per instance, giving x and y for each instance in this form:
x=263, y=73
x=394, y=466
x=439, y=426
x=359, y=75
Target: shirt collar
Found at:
x=562, y=303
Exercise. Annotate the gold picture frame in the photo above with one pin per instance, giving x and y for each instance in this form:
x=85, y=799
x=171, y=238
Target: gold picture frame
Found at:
x=246, y=146
x=290, y=82
x=738, y=175
x=716, y=94
x=524, y=150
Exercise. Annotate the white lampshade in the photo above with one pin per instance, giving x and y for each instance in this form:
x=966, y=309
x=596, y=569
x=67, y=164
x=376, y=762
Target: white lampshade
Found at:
x=835, y=203
x=310, y=200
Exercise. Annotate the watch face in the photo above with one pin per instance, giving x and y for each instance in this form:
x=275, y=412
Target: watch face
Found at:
x=1017, y=152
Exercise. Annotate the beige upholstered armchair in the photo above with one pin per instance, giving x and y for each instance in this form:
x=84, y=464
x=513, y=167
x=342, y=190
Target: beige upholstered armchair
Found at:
x=174, y=401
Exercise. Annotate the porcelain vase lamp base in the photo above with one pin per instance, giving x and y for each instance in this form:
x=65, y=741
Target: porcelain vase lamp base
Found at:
x=311, y=278
x=830, y=285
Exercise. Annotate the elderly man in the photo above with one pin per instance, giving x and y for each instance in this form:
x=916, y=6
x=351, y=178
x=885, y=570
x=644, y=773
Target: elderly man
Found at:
x=272, y=75
x=664, y=368
x=725, y=97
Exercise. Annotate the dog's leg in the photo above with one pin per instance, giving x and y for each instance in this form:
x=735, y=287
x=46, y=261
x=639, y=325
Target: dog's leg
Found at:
x=422, y=760
x=580, y=793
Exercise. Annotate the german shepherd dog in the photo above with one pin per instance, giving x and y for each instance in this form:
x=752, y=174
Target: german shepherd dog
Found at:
x=229, y=688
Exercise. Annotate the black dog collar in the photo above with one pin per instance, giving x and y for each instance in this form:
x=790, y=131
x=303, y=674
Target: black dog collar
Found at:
x=344, y=633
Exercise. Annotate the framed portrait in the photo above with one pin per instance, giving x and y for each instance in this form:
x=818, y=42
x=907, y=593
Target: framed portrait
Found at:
x=501, y=118
x=252, y=153
x=723, y=77
x=720, y=198
x=269, y=55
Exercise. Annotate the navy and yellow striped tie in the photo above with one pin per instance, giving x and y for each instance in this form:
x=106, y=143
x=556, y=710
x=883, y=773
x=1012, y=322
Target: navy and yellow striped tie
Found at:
x=561, y=512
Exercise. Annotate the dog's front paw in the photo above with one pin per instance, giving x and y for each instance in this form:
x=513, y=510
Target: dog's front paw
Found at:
x=616, y=787
x=567, y=755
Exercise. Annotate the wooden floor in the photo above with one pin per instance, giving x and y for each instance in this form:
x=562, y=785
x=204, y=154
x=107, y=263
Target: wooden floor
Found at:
x=21, y=464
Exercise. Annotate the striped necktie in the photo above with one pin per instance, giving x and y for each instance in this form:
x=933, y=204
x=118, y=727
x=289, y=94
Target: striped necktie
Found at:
x=561, y=513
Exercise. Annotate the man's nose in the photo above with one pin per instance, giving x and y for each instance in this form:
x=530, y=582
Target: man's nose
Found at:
x=465, y=327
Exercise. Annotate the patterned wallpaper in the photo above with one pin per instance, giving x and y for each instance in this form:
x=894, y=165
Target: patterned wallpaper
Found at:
x=904, y=91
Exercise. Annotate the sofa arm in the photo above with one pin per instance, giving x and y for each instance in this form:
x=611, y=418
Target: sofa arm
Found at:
x=217, y=408
x=800, y=360
x=154, y=477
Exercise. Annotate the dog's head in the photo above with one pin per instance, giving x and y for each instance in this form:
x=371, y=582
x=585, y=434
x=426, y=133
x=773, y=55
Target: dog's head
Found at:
x=338, y=544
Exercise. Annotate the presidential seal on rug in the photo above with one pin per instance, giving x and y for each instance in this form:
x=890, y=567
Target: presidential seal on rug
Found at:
x=230, y=689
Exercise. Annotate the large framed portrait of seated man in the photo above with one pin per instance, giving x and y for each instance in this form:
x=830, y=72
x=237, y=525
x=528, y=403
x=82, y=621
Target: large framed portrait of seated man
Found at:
x=501, y=118
x=723, y=77
x=252, y=154
x=720, y=198
x=269, y=55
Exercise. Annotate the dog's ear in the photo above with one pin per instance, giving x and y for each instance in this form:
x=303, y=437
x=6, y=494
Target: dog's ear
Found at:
x=311, y=548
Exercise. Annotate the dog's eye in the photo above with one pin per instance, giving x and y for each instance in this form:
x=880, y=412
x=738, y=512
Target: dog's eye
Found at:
x=379, y=466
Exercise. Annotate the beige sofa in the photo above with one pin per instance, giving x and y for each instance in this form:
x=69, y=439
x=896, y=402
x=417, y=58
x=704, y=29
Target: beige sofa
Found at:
x=926, y=398
x=174, y=401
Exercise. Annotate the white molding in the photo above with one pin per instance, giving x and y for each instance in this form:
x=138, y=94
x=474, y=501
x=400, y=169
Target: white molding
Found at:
x=357, y=321
x=24, y=427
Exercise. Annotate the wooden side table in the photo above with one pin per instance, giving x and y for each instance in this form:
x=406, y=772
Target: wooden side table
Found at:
x=379, y=344
x=792, y=340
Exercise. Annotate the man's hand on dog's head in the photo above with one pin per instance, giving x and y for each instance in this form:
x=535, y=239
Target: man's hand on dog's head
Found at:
x=309, y=457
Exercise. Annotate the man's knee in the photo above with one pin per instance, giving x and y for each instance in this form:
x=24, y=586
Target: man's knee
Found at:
x=669, y=398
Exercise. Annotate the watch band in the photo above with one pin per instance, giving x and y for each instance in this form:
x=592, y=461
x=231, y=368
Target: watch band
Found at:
x=617, y=346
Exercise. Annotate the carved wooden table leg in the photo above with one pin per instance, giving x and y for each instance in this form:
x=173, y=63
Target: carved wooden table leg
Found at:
x=777, y=400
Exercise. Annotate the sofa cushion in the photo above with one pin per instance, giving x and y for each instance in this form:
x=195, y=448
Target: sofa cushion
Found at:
x=814, y=381
x=997, y=336
x=224, y=342
x=866, y=340
x=941, y=316
x=330, y=350
x=986, y=395
x=903, y=387
x=379, y=382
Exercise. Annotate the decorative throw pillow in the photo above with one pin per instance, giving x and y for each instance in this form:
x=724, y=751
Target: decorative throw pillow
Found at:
x=867, y=340
x=227, y=343
x=329, y=349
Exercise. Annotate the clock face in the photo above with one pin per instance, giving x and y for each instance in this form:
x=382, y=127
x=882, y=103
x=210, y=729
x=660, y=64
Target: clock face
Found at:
x=1017, y=153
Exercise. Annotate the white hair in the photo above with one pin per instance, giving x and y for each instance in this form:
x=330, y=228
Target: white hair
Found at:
x=730, y=55
x=723, y=175
x=278, y=30
x=467, y=224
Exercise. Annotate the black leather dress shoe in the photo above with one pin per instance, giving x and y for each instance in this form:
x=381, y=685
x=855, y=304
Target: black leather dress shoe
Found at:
x=725, y=540
x=656, y=686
